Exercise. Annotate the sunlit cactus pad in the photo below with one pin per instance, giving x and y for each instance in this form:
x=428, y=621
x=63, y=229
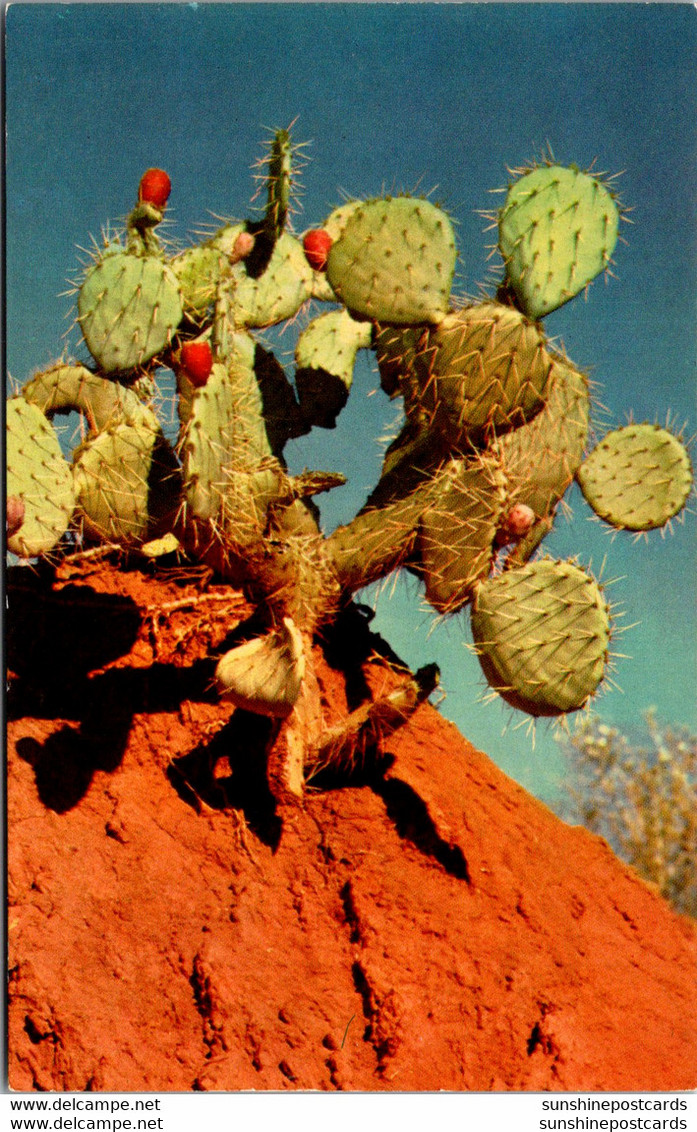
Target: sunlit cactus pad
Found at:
x=542, y=634
x=129, y=307
x=39, y=476
x=74, y=388
x=394, y=261
x=279, y=292
x=557, y=231
x=637, y=478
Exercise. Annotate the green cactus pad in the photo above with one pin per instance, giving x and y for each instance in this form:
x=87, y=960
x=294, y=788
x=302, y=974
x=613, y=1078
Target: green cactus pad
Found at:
x=542, y=633
x=198, y=271
x=339, y=217
x=333, y=226
x=394, y=261
x=541, y=457
x=128, y=484
x=325, y=356
x=557, y=231
x=264, y=675
x=454, y=545
x=74, y=388
x=396, y=349
x=38, y=475
x=129, y=307
x=279, y=292
x=637, y=478
x=484, y=369
x=383, y=536
x=223, y=433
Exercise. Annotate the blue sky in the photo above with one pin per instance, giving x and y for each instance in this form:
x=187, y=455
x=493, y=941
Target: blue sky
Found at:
x=399, y=96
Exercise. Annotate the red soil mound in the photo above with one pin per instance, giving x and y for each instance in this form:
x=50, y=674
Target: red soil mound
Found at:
x=424, y=924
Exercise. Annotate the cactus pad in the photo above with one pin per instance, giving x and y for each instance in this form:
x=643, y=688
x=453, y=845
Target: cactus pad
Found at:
x=394, y=261
x=279, y=182
x=74, y=388
x=557, y=231
x=39, y=476
x=129, y=307
x=325, y=356
x=637, y=478
x=542, y=634
x=483, y=369
x=541, y=457
x=198, y=271
x=455, y=539
x=279, y=292
x=127, y=482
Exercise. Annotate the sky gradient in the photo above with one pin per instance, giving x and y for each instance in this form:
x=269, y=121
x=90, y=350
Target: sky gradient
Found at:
x=420, y=97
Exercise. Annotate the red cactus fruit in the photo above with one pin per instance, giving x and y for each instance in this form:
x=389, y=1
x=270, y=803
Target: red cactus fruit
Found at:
x=516, y=525
x=317, y=244
x=155, y=187
x=197, y=362
x=14, y=514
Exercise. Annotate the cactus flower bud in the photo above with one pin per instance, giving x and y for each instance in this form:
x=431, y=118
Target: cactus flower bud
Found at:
x=197, y=362
x=316, y=244
x=155, y=187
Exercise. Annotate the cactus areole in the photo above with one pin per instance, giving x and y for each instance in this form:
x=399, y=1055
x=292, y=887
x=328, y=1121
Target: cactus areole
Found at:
x=495, y=429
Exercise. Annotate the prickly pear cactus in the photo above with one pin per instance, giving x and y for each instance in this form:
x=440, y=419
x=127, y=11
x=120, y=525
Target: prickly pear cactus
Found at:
x=495, y=427
x=637, y=478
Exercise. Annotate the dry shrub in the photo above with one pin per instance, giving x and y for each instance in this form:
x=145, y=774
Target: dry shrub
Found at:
x=642, y=798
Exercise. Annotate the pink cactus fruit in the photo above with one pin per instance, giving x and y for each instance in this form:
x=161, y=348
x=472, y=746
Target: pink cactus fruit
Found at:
x=14, y=514
x=241, y=247
x=516, y=525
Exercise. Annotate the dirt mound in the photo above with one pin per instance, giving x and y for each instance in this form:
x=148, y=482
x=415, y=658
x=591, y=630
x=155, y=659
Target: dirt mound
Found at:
x=424, y=924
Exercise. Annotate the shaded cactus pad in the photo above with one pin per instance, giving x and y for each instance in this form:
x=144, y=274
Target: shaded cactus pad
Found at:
x=128, y=483
x=557, y=231
x=129, y=307
x=39, y=476
x=637, y=478
x=325, y=357
x=542, y=634
x=394, y=261
x=456, y=532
